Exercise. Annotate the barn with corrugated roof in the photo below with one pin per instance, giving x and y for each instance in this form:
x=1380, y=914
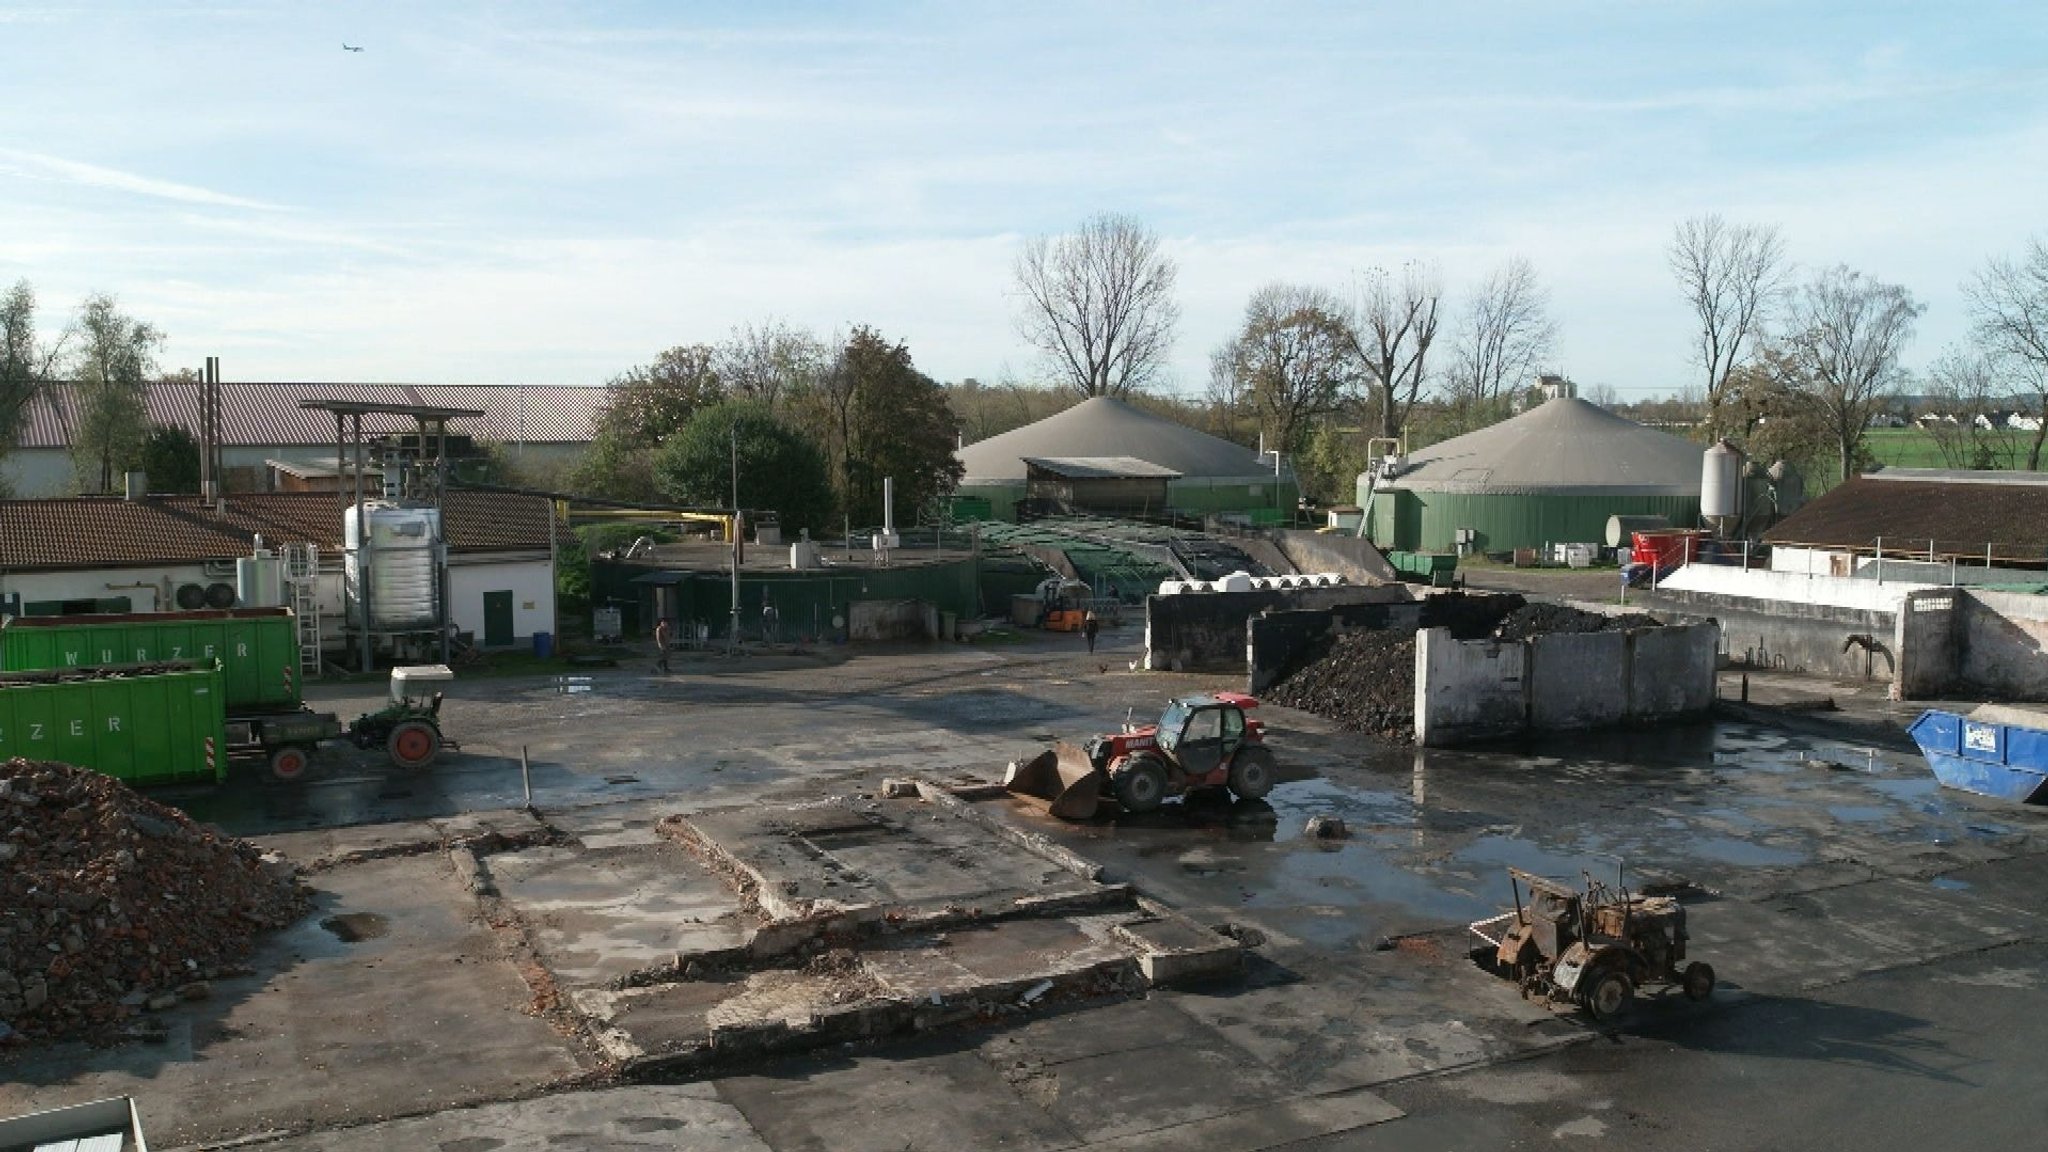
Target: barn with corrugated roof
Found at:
x=1103, y=448
x=262, y=424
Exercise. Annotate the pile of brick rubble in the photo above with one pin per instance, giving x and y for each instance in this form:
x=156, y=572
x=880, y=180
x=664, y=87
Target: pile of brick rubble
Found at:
x=112, y=904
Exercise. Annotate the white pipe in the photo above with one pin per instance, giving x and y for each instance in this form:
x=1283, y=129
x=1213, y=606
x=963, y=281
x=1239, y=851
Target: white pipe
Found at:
x=888, y=505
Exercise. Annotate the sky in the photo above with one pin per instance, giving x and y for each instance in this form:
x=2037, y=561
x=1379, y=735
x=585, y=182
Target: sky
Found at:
x=550, y=193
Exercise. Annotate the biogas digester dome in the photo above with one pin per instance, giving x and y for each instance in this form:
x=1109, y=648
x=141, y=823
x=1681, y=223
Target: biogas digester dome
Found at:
x=1552, y=475
x=1212, y=474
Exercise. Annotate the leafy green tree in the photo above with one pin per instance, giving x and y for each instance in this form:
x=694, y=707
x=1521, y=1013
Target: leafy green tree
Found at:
x=170, y=457
x=115, y=358
x=643, y=407
x=897, y=425
x=780, y=470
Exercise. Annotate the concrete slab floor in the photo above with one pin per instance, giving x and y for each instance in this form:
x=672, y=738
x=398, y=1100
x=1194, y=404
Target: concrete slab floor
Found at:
x=1808, y=860
x=419, y=1010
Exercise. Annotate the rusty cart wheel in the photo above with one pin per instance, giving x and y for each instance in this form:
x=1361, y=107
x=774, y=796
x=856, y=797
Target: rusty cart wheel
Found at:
x=1699, y=981
x=1251, y=774
x=1611, y=996
x=1141, y=785
x=413, y=744
x=290, y=763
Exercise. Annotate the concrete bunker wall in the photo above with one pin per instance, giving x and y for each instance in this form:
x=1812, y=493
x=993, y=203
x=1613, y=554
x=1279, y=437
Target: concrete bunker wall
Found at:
x=1275, y=640
x=1788, y=636
x=1980, y=642
x=1206, y=631
x=1481, y=689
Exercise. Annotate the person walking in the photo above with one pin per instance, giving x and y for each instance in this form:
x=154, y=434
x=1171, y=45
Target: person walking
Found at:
x=663, y=633
x=770, y=620
x=1089, y=627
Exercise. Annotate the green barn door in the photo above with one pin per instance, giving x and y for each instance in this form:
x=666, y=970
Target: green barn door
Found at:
x=497, y=619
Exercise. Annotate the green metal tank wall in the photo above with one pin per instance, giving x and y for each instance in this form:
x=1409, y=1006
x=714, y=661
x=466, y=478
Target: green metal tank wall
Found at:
x=805, y=601
x=1197, y=495
x=1429, y=521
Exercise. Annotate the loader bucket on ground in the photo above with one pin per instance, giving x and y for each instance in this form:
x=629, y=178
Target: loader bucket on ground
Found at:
x=1062, y=777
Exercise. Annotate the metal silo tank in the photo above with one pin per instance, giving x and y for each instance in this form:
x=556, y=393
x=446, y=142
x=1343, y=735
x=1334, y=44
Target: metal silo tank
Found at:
x=1721, y=481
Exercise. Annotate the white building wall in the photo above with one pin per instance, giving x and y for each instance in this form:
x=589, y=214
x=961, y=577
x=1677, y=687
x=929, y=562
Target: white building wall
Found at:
x=34, y=473
x=531, y=582
x=98, y=584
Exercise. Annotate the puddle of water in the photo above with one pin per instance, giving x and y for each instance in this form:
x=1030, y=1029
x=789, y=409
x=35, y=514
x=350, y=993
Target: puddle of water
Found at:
x=1950, y=885
x=1729, y=850
x=351, y=927
x=1859, y=813
x=1509, y=851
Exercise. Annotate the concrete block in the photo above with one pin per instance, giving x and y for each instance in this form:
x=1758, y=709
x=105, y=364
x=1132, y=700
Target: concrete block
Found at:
x=1578, y=680
x=1467, y=691
x=1672, y=671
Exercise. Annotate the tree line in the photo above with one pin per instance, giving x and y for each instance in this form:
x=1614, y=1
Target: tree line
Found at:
x=810, y=426
x=109, y=357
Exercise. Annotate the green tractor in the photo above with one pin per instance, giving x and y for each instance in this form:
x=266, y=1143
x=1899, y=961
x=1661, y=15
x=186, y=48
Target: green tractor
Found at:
x=409, y=727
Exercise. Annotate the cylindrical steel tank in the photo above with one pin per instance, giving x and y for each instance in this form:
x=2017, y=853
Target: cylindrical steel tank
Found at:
x=1622, y=529
x=259, y=580
x=400, y=550
x=1721, y=481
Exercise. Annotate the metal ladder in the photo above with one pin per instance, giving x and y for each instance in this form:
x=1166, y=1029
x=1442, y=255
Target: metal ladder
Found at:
x=302, y=569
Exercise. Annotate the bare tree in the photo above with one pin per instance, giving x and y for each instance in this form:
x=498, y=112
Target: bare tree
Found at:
x=771, y=361
x=1293, y=360
x=1099, y=304
x=1504, y=335
x=2009, y=307
x=1969, y=391
x=1226, y=392
x=1847, y=333
x=1732, y=275
x=1392, y=328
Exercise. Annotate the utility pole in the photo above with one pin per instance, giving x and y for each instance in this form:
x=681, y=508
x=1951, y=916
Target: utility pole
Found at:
x=733, y=637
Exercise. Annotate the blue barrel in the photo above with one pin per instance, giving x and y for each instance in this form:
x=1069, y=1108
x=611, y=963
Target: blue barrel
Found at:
x=543, y=644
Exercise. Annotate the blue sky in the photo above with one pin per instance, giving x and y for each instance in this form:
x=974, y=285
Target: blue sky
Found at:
x=548, y=193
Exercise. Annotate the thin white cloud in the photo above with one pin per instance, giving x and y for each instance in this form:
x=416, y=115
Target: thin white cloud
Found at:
x=38, y=165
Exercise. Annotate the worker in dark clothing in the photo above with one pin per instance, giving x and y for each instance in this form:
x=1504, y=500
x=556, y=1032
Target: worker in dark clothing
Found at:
x=1089, y=627
x=663, y=634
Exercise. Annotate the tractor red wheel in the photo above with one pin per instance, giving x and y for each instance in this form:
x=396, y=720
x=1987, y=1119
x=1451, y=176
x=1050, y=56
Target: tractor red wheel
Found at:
x=413, y=744
x=1140, y=784
x=1611, y=995
x=290, y=763
x=1251, y=774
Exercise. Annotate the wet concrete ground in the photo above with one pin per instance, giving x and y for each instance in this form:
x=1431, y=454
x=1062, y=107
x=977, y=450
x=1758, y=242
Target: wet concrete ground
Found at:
x=1879, y=940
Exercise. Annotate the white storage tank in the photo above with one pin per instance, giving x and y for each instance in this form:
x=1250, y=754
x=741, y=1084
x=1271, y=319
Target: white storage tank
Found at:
x=401, y=549
x=1721, y=481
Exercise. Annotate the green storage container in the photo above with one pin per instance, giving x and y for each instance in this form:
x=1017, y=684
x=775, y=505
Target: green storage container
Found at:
x=258, y=648
x=141, y=728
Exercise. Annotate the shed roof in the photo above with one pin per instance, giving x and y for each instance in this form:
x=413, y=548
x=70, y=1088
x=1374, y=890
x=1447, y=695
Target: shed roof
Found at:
x=270, y=415
x=73, y=532
x=1101, y=468
x=1955, y=515
x=1564, y=444
x=1104, y=427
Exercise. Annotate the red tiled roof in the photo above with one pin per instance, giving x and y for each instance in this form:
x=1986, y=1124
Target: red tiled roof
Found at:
x=268, y=414
x=106, y=531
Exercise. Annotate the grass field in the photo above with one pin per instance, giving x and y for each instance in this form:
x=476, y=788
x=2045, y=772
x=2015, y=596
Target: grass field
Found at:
x=1917, y=448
